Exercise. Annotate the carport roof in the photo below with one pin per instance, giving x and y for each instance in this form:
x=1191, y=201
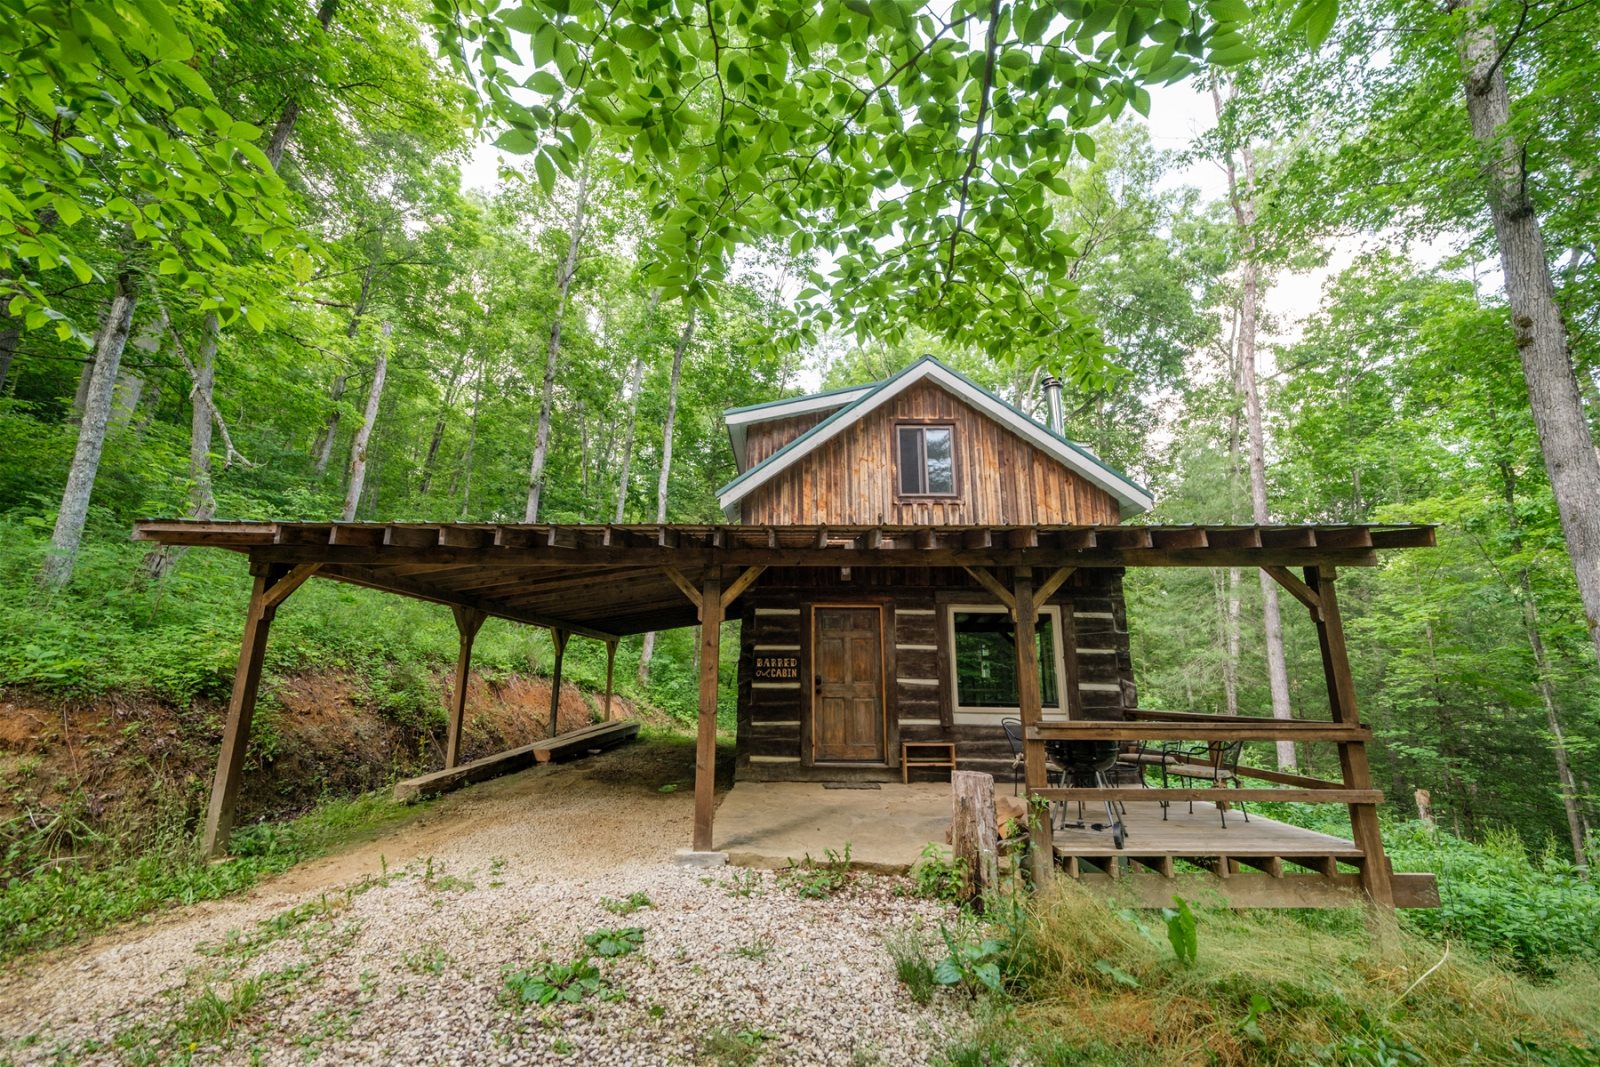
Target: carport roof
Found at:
x=606, y=581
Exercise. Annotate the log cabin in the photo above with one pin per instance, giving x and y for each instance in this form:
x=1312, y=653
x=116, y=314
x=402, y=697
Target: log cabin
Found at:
x=840, y=669
x=912, y=562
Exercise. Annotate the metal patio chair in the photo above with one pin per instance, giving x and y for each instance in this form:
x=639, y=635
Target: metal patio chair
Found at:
x=1216, y=762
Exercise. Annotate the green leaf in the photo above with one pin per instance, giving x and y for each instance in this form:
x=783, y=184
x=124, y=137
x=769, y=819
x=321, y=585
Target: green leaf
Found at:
x=542, y=81
x=517, y=141
x=546, y=172
x=635, y=37
x=1319, y=23
x=1084, y=144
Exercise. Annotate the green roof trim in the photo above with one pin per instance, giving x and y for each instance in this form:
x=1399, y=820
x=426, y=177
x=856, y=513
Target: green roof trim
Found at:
x=803, y=396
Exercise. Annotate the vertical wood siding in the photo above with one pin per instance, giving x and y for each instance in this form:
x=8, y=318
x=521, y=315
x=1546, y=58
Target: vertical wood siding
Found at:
x=762, y=439
x=1000, y=478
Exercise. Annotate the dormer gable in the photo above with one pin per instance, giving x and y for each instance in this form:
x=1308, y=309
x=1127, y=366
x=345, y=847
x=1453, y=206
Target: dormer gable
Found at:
x=928, y=445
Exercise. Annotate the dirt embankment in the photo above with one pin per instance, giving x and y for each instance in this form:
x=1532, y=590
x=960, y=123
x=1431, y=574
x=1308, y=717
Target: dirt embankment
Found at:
x=130, y=767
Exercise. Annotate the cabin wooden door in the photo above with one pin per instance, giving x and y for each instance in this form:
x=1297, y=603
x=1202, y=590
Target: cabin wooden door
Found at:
x=847, y=700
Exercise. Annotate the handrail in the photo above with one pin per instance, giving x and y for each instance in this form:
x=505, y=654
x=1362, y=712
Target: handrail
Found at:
x=1239, y=730
x=1158, y=715
x=1333, y=795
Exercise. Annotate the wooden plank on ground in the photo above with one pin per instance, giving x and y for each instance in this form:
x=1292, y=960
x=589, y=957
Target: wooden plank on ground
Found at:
x=575, y=742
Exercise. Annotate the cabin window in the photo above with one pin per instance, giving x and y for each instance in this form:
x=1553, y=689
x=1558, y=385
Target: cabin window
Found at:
x=927, y=460
x=983, y=661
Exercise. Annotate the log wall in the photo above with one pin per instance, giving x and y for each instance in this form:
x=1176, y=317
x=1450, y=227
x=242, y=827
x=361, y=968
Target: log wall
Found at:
x=773, y=726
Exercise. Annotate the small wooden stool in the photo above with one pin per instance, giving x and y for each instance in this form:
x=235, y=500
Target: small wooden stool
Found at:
x=944, y=757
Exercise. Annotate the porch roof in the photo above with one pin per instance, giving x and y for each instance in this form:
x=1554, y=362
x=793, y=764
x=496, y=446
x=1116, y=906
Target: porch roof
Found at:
x=605, y=581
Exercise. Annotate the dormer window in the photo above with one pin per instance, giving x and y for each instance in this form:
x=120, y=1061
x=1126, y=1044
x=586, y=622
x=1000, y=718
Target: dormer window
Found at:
x=926, y=459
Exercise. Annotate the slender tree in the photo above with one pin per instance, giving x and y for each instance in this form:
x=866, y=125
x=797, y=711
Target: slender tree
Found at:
x=664, y=479
x=358, y=448
x=564, y=275
x=1242, y=197
x=74, y=510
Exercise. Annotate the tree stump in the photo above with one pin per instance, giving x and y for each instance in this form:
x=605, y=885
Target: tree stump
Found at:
x=972, y=830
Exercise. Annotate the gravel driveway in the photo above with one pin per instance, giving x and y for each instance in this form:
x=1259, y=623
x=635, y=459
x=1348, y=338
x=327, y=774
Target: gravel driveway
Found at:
x=398, y=951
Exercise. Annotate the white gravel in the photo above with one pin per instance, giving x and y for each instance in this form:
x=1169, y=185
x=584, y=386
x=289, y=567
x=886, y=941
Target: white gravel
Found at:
x=408, y=967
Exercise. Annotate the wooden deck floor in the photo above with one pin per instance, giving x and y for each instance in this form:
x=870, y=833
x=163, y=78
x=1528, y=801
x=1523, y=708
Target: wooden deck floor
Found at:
x=1199, y=834
x=1262, y=863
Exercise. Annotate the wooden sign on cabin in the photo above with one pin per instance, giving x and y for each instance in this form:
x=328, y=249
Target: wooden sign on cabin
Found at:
x=770, y=668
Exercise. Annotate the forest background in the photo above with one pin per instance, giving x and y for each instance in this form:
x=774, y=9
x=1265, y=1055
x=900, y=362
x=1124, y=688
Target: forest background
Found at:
x=247, y=283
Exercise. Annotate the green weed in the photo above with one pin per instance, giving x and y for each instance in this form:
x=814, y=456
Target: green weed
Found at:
x=619, y=942
x=815, y=880
x=554, y=983
x=628, y=905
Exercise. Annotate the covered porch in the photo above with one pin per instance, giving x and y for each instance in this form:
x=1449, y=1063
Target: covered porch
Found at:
x=605, y=581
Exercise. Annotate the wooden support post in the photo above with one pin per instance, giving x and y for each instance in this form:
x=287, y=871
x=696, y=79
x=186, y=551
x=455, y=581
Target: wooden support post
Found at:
x=558, y=640
x=705, y=753
x=273, y=584
x=1041, y=846
x=1376, y=879
x=611, y=664
x=468, y=621
x=973, y=836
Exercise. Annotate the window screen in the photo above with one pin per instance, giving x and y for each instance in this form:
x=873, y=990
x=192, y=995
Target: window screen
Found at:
x=986, y=660
x=927, y=461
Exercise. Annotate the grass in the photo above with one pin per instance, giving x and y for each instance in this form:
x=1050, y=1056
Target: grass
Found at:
x=64, y=902
x=1085, y=984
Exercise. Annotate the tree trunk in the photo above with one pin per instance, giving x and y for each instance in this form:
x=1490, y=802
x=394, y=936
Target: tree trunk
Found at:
x=125, y=395
x=291, y=107
x=10, y=337
x=636, y=381
x=1244, y=214
x=666, y=467
x=437, y=438
x=1541, y=333
x=472, y=438
x=74, y=510
x=323, y=449
x=569, y=267
x=358, y=449
x=1558, y=743
x=202, y=413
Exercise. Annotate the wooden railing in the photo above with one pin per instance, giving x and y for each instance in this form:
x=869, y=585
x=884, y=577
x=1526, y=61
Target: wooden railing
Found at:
x=1190, y=726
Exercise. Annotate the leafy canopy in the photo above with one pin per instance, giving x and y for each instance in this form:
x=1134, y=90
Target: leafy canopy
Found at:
x=913, y=147
x=114, y=152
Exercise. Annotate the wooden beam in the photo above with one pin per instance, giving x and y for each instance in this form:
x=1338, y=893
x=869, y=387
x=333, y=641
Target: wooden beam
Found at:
x=939, y=554
x=685, y=585
x=1258, y=891
x=375, y=578
x=991, y=583
x=289, y=583
x=1030, y=707
x=739, y=585
x=1241, y=730
x=1048, y=587
x=468, y=622
x=242, y=702
x=1376, y=878
x=705, y=752
x=611, y=664
x=1297, y=589
x=574, y=743
x=1214, y=794
x=558, y=640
